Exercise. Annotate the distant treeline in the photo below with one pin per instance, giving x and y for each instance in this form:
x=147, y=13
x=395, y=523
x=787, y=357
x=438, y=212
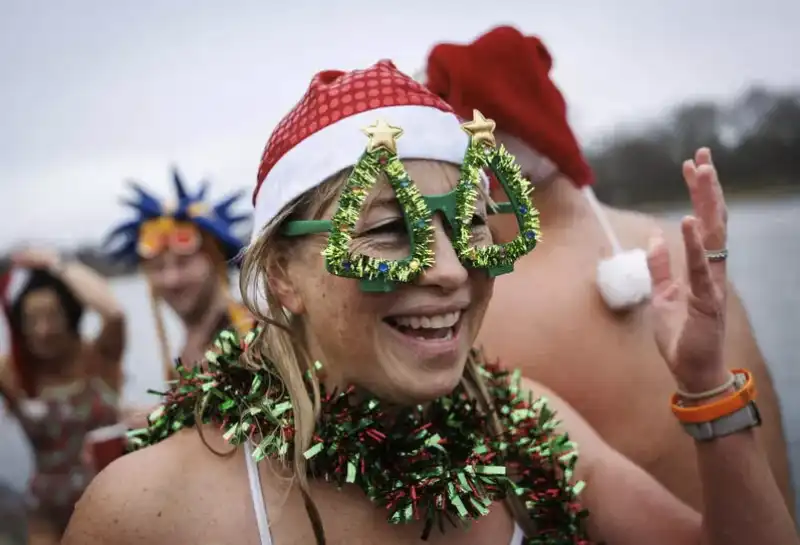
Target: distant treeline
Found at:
x=755, y=140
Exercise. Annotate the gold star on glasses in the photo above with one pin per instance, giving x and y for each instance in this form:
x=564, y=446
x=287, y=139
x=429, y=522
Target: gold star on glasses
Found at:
x=480, y=129
x=382, y=135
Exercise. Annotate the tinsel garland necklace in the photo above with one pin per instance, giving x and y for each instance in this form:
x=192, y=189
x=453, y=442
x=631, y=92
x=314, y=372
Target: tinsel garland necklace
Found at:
x=439, y=465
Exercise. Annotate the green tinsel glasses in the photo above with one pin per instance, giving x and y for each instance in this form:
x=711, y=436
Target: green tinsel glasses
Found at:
x=458, y=208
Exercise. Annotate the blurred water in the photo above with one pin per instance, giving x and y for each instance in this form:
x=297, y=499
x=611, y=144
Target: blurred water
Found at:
x=764, y=264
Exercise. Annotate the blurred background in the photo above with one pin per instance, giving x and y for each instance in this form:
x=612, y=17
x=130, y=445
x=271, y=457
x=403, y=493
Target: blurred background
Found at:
x=95, y=92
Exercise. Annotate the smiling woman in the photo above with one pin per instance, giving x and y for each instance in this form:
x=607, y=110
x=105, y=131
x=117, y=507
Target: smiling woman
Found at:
x=370, y=272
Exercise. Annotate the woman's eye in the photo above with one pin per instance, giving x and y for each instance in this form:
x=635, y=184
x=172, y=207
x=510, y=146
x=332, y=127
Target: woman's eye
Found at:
x=478, y=220
x=397, y=227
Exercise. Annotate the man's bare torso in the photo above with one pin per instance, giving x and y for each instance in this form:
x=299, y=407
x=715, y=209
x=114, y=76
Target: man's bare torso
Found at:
x=548, y=319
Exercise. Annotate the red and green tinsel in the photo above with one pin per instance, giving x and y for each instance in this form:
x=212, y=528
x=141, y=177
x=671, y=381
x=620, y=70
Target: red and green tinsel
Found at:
x=441, y=465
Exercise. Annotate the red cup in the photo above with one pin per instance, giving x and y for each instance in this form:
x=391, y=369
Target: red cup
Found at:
x=106, y=444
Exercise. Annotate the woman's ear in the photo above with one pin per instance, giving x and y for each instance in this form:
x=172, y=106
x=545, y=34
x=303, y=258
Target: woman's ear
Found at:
x=282, y=286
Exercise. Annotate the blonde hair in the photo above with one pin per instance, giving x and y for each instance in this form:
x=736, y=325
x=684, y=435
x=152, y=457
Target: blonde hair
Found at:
x=281, y=341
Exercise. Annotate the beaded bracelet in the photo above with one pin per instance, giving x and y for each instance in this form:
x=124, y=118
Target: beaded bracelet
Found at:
x=709, y=393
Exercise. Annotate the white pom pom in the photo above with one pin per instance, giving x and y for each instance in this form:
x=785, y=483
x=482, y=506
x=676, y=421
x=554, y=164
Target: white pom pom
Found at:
x=624, y=279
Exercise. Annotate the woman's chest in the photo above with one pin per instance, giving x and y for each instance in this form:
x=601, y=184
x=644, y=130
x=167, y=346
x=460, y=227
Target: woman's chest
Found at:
x=51, y=415
x=346, y=517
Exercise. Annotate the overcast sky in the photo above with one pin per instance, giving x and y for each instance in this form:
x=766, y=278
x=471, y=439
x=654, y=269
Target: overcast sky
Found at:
x=94, y=91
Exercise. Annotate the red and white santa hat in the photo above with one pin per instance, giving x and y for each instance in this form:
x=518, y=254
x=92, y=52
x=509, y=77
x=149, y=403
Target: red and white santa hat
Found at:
x=322, y=135
x=506, y=76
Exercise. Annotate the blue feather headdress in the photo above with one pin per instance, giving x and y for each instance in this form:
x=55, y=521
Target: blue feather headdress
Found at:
x=217, y=221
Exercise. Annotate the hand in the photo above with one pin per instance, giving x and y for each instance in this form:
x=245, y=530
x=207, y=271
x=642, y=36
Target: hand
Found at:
x=690, y=315
x=36, y=259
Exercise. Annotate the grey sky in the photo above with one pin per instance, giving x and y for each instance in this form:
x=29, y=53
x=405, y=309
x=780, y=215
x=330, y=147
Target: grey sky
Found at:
x=95, y=92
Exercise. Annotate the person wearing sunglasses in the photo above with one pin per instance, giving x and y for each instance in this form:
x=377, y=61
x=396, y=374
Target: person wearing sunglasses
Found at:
x=185, y=249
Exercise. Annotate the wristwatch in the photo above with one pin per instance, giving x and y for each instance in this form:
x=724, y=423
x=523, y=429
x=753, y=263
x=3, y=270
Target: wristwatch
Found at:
x=743, y=419
x=735, y=413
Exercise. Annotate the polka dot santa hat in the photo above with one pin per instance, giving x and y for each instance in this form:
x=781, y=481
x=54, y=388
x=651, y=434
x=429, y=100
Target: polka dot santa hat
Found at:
x=323, y=134
x=506, y=75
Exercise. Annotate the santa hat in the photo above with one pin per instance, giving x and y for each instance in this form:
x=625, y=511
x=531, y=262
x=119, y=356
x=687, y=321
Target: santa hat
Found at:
x=323, y=134
x=506, y=76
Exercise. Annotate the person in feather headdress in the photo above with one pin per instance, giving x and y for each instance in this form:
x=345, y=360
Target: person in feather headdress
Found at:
x=185, y=249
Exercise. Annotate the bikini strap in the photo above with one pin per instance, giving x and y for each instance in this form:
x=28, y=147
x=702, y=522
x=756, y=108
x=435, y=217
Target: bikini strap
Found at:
x=260, y=508
x=518, y=538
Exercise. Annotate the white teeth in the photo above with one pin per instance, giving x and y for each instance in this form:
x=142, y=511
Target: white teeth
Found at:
x=447, y=336
x=429, y=322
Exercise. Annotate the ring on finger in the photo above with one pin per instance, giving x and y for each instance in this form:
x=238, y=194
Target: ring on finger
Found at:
x=717, y=255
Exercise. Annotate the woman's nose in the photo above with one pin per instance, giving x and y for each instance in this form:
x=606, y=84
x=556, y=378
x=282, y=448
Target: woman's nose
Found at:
x=447, y=271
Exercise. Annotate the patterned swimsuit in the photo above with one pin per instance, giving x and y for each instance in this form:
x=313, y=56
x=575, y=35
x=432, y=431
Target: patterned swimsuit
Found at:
x=56, y=424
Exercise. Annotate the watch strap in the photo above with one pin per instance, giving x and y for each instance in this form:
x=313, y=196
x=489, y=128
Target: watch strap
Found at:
x=743, y=419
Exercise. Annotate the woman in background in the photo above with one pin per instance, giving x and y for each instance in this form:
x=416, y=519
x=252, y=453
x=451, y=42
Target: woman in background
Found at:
x=59, y=385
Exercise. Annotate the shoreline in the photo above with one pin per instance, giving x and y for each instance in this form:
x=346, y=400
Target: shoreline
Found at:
x=732, y=196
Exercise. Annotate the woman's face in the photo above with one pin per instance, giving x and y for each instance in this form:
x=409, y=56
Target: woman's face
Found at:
x=409, y=345
x=45, y=327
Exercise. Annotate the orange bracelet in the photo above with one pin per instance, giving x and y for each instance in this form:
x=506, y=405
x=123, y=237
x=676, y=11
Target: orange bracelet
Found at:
x=712, y=411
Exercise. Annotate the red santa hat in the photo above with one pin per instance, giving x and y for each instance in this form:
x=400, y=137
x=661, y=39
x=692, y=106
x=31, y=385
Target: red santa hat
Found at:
x=323, y=134
x=506, y=76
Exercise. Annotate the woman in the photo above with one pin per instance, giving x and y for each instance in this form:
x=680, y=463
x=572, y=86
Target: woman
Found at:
x=58, y=385
x=401, y=406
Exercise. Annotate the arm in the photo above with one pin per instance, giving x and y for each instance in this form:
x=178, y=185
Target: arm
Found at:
x=109, y=345
x=628, y=507
x=741, y=501
x=742, y=351
x=92, y=290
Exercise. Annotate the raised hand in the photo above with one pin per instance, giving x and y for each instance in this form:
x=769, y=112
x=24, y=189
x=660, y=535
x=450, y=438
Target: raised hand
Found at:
x=690, y=314
x=36, y=259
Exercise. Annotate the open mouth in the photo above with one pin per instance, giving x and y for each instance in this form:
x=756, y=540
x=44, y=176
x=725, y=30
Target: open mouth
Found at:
x=437, y=327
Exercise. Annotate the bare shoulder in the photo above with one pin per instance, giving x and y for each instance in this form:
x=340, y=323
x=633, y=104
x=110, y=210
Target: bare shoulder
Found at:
x=130, y=502
x=635, y=228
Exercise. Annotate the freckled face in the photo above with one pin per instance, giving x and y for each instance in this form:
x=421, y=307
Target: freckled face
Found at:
x=409, y=345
